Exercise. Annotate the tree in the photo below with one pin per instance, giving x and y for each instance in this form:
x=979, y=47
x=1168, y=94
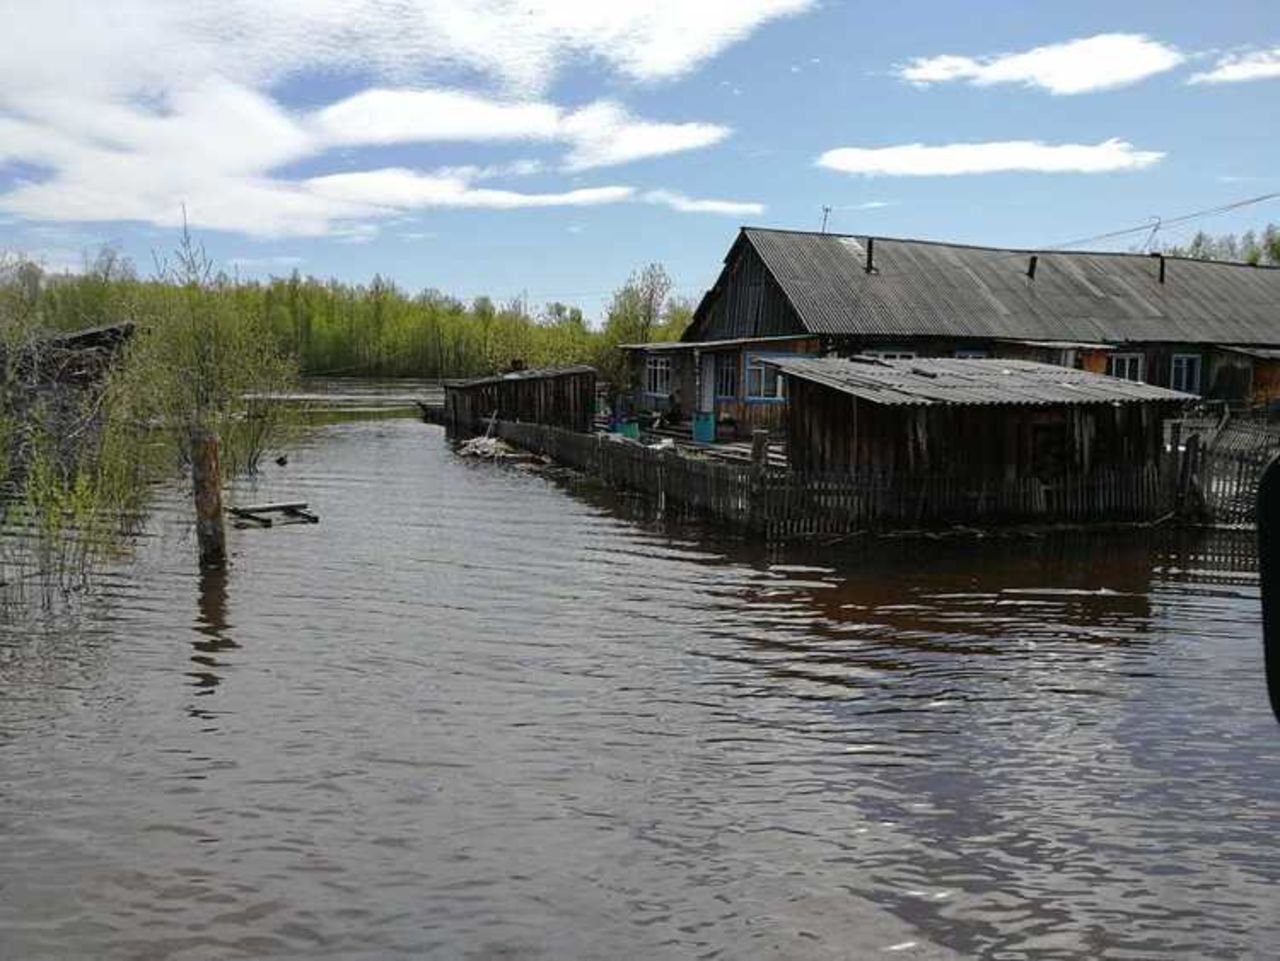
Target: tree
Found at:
x=634, y=315
x=1250, y=247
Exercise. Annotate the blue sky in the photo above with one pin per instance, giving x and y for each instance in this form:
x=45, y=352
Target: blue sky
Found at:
x=546, y=148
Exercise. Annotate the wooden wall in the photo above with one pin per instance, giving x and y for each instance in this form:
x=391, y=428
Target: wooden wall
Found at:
x=747, y=302
x=830, y=431
x=566, y=400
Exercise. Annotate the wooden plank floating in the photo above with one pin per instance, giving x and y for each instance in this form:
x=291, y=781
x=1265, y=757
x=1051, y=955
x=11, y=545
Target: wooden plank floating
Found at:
x=259, y=514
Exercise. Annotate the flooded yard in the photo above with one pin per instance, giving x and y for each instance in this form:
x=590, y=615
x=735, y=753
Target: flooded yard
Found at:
x=478, y=713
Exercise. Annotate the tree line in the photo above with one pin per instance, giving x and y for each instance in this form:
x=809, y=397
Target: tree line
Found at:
x=375, y=329
x=1258, y=247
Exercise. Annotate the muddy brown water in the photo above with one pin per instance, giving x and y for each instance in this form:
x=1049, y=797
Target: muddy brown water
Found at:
x=481, y=713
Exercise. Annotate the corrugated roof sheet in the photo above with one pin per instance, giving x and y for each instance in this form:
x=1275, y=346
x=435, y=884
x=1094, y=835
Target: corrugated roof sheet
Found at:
x=922, y=288
x=954, y=381
x=667, y=345
x=532, y=374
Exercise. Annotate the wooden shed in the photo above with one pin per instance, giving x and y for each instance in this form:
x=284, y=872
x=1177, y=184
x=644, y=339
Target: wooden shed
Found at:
x=562, y=397
x=979, y=419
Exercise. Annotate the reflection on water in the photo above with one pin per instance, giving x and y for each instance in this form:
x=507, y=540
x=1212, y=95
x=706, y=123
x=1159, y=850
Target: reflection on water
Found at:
x=478, y=713
x=212, y=641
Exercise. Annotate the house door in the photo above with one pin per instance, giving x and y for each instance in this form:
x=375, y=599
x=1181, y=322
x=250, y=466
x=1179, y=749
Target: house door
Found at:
x=707, y=383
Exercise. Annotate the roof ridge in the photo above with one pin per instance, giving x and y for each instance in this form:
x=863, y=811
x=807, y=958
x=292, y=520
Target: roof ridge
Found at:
x=1025, y=251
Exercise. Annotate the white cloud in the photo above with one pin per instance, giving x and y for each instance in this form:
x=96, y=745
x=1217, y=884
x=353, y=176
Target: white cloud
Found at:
x=870, y=205
x=1102, y=62
x=600, y=134
x=1242, y=67
x=128, y=46
x=921, y=160
x=398, y=189
x=130, y=114
x=690, y=205
x=408, y=116
x=604, y=134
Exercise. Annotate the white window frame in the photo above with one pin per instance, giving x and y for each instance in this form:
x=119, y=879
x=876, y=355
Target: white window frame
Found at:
x=1137, y=362
x=721, y=366
x=757, y=362
x=657, y=376
x=1186, y=388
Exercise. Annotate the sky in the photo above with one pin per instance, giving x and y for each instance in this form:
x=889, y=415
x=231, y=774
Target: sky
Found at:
x=545, y=149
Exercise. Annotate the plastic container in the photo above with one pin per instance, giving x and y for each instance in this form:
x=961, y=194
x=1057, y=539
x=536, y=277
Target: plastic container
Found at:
x=704, y=427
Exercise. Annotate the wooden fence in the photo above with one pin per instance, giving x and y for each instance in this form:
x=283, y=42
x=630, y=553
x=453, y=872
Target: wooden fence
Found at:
x=788, y=504
x=1219, y=466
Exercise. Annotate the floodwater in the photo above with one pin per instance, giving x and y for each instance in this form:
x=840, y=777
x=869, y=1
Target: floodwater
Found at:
x=480, y=713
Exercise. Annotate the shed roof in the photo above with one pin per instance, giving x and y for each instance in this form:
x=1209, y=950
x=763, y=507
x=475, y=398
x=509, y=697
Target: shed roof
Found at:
x=926, y=288
x=954, y=381
x=662, y=346
x=539, y=373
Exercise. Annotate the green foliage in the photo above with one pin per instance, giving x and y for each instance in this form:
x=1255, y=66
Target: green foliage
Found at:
x=1251, y=247
x=640, y=312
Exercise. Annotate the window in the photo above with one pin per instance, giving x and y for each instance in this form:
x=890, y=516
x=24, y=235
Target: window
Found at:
x=764, y=381
x=657, y=376
x=1185, y=375
x=726, y=375
x=891, y=353
x=1125, y=366
x=970, y=353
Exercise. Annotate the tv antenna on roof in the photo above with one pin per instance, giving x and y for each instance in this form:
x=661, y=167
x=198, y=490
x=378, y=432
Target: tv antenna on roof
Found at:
x=826, y=212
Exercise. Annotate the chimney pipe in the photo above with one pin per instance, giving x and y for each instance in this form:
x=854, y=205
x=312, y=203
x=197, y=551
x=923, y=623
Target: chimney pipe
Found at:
x=871, y=255
x=1031, y=266
x=1156, y=253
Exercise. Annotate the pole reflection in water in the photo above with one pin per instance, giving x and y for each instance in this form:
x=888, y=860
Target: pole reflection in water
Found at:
x=212, y=639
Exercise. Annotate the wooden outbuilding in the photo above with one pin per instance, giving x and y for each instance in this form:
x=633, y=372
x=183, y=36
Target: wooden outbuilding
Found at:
x=562, y=397
x=998, y=420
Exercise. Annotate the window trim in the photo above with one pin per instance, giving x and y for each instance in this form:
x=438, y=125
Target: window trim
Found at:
x=1126, y=357
x=654, y=363
x=756, y=360
x=737, y=375
x=892, y=353
x=1173, y=367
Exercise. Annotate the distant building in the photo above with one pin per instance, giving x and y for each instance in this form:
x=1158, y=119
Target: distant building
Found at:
x=1203, y=328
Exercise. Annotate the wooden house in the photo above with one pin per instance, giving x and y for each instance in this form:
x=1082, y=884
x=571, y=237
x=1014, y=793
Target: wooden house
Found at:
x=1203, y=328
x=562, y=397
x=999, y=420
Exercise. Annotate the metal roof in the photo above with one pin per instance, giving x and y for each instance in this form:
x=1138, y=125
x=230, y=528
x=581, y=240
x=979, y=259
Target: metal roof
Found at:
x=667, y=345
x=1261, y=353
x=923, y=288
x=532, y=374
x=948, y=380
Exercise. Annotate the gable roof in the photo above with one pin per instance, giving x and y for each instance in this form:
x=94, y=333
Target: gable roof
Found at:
x=928, y=382
x=925, y=288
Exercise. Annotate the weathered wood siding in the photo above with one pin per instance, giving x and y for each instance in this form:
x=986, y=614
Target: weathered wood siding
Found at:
x=746, y=302
x=565, y=399
x=830, y=431
x=790, y=504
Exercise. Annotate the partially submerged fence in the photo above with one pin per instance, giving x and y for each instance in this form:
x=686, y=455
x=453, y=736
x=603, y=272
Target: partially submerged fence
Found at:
x=1219, y=465
x=781, y=503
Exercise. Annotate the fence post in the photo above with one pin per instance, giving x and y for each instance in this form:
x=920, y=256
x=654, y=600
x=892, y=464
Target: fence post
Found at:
x=206, y=477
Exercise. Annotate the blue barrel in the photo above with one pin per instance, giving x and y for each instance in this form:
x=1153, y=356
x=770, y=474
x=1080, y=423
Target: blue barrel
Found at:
x=704, y=427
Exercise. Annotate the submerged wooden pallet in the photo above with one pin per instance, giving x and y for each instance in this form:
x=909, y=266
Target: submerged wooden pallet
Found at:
x=295, y=512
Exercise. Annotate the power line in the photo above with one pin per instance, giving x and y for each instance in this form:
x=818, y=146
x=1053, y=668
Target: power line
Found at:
x=1168, y=222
